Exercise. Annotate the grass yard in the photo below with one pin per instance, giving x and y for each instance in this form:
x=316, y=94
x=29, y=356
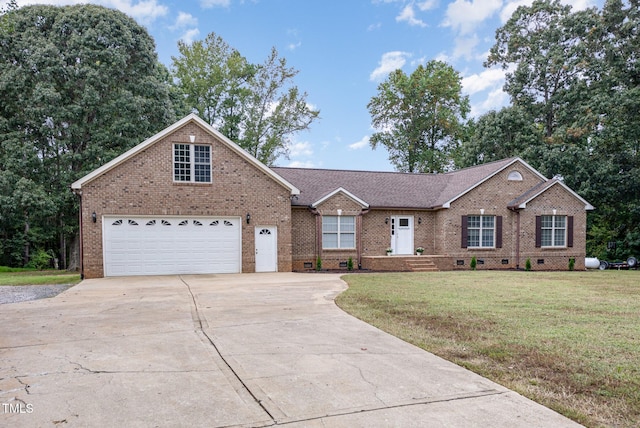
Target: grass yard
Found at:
x=36, y=277
x=568, y=340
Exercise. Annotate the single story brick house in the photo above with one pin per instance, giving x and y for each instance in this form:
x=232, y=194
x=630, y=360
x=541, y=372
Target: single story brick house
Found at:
x=189, y=201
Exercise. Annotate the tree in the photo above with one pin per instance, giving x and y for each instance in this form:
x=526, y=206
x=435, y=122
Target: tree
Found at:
x=501, y=134
x=419, y=118
x=80, y=85
x=275, y=110
x=255, y=105
x=544, y=45
x=574, y=86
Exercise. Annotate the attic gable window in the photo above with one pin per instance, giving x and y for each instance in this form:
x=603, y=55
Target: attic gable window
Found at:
x=191, y=163
x=514, y=176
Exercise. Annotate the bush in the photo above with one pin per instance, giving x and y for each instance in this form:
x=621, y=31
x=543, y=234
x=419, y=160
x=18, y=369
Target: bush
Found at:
x=474, y=263
x=40, y=260
x=350, y=264
x=572, y=263
x=319, y=264
x=527, y=265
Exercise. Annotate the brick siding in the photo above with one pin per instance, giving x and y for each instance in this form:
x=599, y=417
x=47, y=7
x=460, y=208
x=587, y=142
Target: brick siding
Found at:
x=143, y=185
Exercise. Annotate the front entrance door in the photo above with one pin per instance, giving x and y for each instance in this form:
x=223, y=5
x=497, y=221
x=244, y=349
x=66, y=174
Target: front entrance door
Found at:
x=266, y=249
x=402, y=235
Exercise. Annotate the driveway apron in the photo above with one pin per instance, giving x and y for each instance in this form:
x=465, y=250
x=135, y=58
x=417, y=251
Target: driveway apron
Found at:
x=230, y=350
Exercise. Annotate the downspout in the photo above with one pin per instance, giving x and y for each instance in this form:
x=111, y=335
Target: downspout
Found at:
x=315, y=212
x=81, y=231
x=359, y=237
x=517, y=211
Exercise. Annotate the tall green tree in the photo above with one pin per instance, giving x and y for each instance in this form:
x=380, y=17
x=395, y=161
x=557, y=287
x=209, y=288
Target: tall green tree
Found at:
x=573, y=81
x=258, y=106
x=79, y=85
x=419, y=118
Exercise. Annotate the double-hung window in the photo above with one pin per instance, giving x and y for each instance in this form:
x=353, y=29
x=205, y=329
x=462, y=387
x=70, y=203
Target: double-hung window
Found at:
x=338, y=232
x=191, y=163
x=553, y=230
x=481, y=231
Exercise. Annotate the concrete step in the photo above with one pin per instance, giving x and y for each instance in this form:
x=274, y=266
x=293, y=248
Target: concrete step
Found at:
x=421, y=264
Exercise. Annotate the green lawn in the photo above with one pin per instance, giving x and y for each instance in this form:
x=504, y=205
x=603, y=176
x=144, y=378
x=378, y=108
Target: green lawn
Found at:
x=568, y=340
x=36, y=277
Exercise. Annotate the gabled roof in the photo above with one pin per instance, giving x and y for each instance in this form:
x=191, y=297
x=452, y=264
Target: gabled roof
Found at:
x=521, y=201
x=192, y=118
x=344, y=192
x=394, y=189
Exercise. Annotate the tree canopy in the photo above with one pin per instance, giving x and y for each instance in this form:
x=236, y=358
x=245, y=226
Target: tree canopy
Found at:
x=419, y=118
x=255, y=105
x=79, y=85
x=575, y=97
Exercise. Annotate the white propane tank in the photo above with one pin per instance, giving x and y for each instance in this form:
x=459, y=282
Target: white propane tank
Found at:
x=591, y=262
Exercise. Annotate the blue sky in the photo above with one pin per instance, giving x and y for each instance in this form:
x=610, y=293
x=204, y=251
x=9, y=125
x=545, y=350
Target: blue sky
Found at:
x=342, y=49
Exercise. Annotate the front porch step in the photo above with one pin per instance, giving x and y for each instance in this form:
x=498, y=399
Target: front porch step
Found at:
x=421, y=264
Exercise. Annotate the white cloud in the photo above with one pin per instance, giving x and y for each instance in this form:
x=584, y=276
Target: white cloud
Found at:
x=389, y=62
x=464, y=16
x=491, y=78
x=294, y=46
x=185, y=20
x=465, y=47
x=300, y=149
x=207, y=4
x=190, y=35
x=512, y=5
x=143, y=11
x=364, y=142
x=303, y=164
x=495, y=100
x=409, y=15
x=427, y=5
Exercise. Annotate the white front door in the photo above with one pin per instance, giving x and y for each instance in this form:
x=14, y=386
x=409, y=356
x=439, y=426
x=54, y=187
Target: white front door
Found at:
x=266, y=249
x=402, y=235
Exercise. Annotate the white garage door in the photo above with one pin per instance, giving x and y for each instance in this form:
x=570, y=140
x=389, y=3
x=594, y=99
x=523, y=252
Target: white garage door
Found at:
x=171, y=245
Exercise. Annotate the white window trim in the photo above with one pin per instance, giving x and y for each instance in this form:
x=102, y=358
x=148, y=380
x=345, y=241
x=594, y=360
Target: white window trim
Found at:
x=553, y=229
x=192, y=163
x=339, y=233
x=480, y=229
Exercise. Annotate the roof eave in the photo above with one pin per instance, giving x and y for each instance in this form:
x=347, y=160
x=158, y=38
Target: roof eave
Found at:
x=343, y=191
x=76, y=185
x=447, y=204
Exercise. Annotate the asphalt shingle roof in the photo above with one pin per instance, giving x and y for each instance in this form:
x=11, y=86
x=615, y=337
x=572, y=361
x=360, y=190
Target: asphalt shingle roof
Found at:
x=389, y=189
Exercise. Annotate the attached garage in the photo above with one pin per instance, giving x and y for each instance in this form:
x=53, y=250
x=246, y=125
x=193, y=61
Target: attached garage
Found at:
x=155, y=245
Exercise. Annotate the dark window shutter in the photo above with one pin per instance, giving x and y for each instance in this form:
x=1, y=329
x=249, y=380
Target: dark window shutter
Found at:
x=499, y=231
x=538, y=231
x=570, y=231
x=465, y=233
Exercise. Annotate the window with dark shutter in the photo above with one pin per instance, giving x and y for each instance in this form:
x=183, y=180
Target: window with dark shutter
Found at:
x=499, y=231
x=570, y=231
x=465, y=233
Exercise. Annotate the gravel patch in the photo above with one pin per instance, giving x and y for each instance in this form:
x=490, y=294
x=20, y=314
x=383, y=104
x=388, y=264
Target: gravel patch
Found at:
x=22, y=293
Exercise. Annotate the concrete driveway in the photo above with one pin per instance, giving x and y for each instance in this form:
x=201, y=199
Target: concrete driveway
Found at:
x=250, y=350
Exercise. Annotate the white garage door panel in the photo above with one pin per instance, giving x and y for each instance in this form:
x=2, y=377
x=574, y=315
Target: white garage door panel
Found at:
x=167, y=246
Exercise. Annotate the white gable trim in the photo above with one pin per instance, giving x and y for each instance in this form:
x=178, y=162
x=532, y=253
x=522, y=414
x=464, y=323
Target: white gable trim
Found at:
x=587, y=205
x=344, y=192
x=179, y=124
x=515, y=160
